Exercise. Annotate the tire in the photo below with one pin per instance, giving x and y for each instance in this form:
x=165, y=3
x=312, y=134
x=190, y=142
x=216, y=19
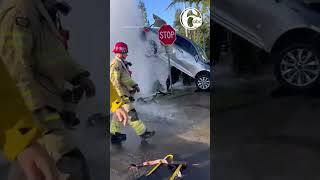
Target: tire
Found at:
x=245, y=56
x=186, y=79
x=203, y=81
x=175, y=74
x=297, y=66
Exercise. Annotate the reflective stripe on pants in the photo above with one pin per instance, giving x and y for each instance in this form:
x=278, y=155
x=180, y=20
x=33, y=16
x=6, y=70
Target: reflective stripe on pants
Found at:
x=137, y=125
x=52, y=117
x=115, y=125
x=28, y=99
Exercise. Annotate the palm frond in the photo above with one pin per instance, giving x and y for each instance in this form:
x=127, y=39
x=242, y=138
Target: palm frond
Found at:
x=174, y=2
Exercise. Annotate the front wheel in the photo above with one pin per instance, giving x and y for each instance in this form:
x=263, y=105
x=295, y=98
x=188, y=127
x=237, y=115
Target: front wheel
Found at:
x=298, y=66
x=203, y=81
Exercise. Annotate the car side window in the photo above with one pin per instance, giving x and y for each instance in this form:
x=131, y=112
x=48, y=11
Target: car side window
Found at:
x=192, y=50
x=179, y=42
x=186, y=45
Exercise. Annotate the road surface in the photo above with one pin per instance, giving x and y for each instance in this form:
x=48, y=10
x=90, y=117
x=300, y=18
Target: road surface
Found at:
x=182, y=127
x=263, y=131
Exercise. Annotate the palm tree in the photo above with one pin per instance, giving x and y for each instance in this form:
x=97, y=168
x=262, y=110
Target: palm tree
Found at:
x=200, y=35
x=143, y=10
x=190, y=2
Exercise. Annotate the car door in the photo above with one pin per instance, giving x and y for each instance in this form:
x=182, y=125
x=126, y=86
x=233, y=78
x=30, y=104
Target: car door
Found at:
x=184, y=55
x=226, y=13
x=262, y=19
x=241, y=17
x=259, y=22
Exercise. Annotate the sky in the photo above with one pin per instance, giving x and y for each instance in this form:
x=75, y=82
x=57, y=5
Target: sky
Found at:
x=158, y=7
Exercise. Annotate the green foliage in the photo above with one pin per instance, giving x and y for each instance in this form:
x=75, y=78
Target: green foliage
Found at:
x=176, y=23
x=200, y=36
x=143, y=10
x=189, y=2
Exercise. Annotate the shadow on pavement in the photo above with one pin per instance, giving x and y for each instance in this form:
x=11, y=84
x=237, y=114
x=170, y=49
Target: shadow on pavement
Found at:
x=307, y=142
x=281, y=92
x=267, y=132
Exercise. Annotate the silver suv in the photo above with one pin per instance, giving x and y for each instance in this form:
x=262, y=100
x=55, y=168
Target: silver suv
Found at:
x=286, y=29
x=186, y=57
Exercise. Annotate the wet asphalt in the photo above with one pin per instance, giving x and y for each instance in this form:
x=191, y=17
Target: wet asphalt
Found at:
x=181, y=132
x=264, y=131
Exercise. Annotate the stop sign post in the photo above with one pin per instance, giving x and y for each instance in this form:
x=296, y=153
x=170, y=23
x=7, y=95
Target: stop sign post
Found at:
x=167, y=36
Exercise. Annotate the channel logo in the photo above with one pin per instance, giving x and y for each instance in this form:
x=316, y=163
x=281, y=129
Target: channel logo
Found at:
x=191, y=18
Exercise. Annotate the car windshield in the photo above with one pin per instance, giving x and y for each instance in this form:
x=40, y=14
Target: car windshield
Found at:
x=186, y=45
x=202, y=54
x=190, y=47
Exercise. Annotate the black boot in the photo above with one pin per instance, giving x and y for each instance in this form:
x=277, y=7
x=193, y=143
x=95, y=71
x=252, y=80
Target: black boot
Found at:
x=147, y=134
x=118, y=138
x=69, y=119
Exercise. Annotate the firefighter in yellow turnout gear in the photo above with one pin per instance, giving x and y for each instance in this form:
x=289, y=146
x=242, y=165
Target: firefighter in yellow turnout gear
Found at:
x=120, y=77
x=33, y=52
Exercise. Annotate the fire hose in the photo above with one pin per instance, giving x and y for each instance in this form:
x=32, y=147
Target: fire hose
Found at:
x=175, y=167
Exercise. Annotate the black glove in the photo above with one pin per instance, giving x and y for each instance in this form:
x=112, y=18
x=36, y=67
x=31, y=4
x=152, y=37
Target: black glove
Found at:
x=69, y=119
x=63, y=7
x=131, y=99
x=77, y=94
x=129, y=63
x=74, y=95
x=88, y=86
x=135, y=89
x=125, y=99
x=67, y=96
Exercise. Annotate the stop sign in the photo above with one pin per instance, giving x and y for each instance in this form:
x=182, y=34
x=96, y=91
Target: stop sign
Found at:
x=167, y=35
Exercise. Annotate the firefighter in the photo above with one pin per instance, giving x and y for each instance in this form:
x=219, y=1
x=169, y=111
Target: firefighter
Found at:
x=120, y=77
x=33, y=51
x=16, y=146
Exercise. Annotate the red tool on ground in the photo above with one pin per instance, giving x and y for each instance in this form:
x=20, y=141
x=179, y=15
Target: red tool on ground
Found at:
x=175, y=167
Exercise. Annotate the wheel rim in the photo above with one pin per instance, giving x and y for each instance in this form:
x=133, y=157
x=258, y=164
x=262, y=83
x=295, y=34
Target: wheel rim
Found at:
x=203, y=83
x=300, y=67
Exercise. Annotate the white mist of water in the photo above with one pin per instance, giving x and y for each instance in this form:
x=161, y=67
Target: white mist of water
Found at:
x=126, y=24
